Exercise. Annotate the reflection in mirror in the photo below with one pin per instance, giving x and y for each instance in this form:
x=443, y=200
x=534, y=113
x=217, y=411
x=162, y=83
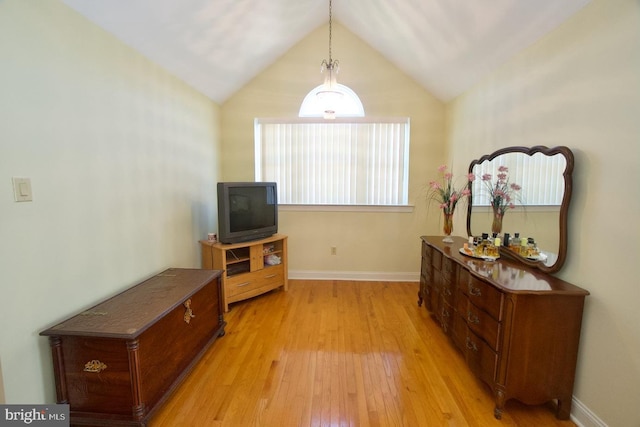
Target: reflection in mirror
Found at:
x=544, y=175
x=536, y=208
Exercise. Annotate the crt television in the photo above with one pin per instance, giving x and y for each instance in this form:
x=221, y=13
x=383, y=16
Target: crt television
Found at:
x=247, y=211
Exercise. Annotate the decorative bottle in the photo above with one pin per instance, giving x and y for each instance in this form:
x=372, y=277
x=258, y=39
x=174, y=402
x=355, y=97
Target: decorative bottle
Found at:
x=532, y=248
x=495, y=247
x=523, y=246
x=515, y=243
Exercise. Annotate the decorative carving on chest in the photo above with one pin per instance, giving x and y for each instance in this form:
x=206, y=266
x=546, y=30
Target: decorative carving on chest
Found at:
x=94, y=313
x=95, y=366
x=188, y=313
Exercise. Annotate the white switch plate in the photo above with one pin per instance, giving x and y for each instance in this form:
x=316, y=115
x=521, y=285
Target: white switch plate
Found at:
x=22, y=189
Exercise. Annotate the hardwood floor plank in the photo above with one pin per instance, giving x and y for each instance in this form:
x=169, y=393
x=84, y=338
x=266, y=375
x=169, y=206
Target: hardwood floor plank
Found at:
x=332, y=353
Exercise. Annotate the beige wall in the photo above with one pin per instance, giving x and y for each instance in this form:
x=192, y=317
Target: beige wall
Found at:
x=123, y=162
x=2, y=398
x=370, y=244
x=580, y=87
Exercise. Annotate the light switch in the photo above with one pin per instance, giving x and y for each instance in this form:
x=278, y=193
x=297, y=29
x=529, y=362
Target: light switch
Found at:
x=22, y=189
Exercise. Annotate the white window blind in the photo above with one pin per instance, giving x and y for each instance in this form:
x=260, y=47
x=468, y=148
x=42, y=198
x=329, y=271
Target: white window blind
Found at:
x=342, y=162
x=540, y=176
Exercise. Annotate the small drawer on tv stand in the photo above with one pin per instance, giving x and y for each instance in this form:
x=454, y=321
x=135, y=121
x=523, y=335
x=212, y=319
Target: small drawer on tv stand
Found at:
x=263, y=280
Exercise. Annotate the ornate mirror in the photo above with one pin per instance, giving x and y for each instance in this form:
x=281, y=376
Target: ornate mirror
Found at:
x=537, y=205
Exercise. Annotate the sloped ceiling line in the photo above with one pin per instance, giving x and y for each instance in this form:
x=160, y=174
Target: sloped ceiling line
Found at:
x=217, y=46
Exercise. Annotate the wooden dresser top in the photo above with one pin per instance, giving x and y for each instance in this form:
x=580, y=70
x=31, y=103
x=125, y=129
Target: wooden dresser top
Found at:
x=129, y=313
x=505, y=274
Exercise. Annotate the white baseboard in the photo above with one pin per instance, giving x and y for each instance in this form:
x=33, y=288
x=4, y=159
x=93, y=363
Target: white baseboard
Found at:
x=583, y=416
x=375, y=276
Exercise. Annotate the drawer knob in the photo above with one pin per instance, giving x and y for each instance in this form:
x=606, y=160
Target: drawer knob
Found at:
x=95, y=366
x=475, y=291
x=472, y=318
x=188, y=313
x=471, y=345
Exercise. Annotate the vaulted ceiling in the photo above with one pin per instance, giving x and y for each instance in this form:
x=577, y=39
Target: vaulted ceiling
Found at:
x=217, y=46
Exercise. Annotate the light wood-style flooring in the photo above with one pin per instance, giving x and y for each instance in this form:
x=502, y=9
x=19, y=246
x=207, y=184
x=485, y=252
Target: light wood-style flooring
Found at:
x=337, y=353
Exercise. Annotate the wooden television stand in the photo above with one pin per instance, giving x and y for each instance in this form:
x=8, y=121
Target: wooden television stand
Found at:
x=246, y=271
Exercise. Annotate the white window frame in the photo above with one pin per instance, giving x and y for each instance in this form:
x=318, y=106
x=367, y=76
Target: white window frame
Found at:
x=400, y=151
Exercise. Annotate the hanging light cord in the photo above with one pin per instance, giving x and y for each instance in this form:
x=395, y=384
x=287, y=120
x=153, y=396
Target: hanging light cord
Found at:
x=330, y=26
x=331, y=65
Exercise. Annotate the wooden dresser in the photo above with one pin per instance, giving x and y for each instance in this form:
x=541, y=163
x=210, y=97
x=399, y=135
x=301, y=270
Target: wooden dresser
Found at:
x=518, y=328
x=116, y=362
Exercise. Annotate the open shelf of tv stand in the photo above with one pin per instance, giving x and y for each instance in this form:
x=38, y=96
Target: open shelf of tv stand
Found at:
x=246, y=272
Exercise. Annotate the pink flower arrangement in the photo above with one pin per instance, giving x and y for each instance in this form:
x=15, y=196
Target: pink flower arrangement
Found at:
x=445, y=193
x=502, y=194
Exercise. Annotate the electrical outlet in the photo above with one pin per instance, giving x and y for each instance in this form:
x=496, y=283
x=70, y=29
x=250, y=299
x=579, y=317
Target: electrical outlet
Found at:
x=334, y=250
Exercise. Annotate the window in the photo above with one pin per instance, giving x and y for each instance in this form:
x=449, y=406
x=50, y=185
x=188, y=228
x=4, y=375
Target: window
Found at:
x=540, y=176
x=342, y=162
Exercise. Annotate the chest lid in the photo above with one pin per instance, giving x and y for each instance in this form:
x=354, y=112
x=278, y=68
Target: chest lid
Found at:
x=129, y=313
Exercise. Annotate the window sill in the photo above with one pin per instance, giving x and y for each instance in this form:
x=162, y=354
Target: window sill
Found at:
x=347, y=208
x=521, y=209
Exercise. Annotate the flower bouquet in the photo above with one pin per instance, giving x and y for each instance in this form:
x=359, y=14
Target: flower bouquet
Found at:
x=447, y=197
x=502, y=195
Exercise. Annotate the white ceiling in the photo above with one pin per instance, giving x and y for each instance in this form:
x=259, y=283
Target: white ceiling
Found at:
x=217, y=46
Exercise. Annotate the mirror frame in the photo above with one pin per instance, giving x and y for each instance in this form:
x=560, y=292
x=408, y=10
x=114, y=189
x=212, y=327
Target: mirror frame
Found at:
x=564, y=208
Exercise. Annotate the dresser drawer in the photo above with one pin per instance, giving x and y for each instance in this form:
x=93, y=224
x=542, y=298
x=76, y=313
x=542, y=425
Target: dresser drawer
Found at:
x=445, y=315
x=432, y=297
x=461, y=301
x=485, y=296
x=436, y=260
x=483, y=325
x=426, y=253
x=267, y=277
x=463, y=279
x=459, y=332
x=448, y=269
x=482, y=360
x=428, y=274
x=426, y=295
x=425, y=268
x=446, y=292
x=478, y=320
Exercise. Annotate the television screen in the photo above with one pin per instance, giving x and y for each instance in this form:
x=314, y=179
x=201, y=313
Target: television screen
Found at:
x=247, y=211
x=251, y=207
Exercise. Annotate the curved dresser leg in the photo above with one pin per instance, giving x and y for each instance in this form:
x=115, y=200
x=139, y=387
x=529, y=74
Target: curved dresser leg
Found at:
x=563, y=411
x=500, y=401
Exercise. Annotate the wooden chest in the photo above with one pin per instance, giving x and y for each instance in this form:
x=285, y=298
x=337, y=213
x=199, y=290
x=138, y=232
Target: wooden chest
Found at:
x=115, y=363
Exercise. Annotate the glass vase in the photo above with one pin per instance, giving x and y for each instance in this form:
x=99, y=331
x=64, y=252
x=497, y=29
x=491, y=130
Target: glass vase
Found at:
x=447, y=227
x=496, y=225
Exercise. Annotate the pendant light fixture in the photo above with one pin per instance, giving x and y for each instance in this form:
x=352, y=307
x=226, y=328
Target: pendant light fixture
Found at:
x=330, y=99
